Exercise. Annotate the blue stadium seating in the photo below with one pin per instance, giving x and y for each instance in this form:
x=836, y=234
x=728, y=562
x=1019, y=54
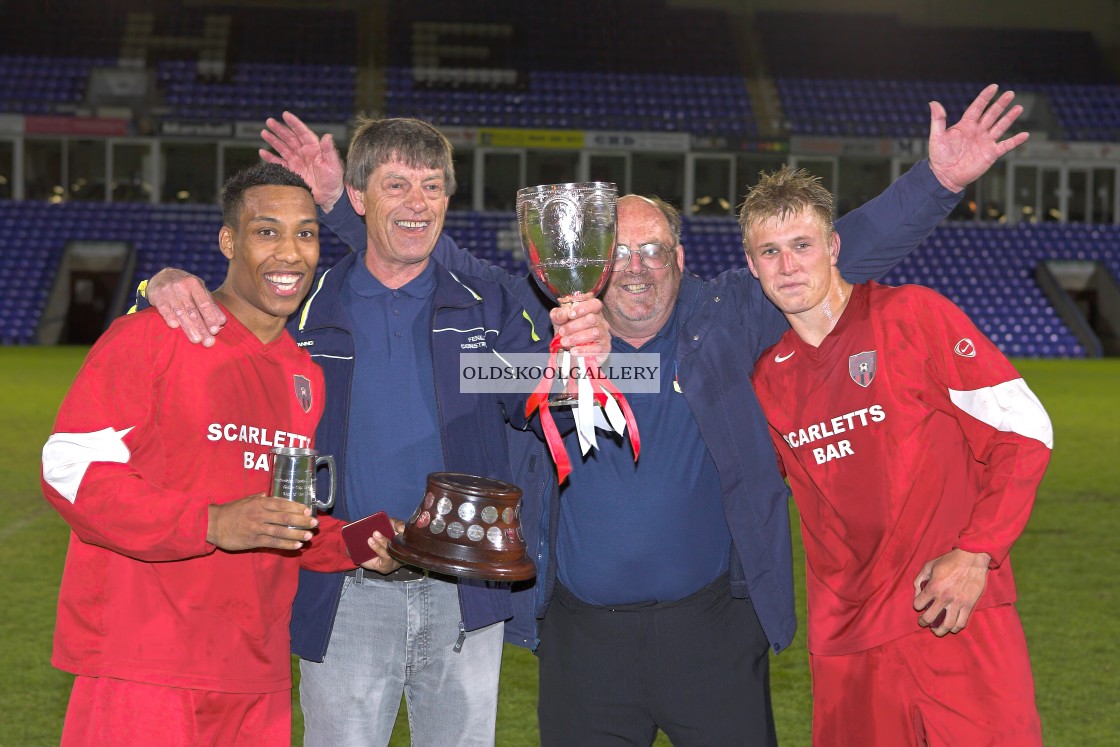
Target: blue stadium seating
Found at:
x=33, y=235
x=707, y=105
x=899, y=108
x=679, y=71
x=987, y=269
x=704, y=105
x=320, y=93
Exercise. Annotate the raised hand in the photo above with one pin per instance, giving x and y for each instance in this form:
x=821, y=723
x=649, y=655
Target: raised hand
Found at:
x=582, y=328
x=300, y=150
x=960, y=154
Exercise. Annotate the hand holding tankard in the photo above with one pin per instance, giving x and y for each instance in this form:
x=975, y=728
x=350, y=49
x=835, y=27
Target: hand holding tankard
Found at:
x=293, y=476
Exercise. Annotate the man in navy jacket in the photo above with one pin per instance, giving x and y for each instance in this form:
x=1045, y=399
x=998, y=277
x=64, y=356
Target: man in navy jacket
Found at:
x=675, y=578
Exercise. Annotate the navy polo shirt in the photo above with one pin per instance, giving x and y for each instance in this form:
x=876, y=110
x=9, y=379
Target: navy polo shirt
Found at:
x=393, y=438
x=652, y=531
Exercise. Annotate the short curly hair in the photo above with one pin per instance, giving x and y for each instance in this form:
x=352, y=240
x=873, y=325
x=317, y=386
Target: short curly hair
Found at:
x=258, y=175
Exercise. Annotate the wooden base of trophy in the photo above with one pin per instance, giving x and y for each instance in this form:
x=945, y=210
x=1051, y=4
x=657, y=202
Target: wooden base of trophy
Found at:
x=466, y=526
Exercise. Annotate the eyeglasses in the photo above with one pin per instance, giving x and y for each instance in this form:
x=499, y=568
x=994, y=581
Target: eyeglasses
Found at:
x=653, y=255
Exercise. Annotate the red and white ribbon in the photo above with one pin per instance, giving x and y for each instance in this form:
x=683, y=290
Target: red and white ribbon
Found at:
x=606, y=395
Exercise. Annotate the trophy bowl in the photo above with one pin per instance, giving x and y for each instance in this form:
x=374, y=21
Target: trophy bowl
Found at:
x=568, y=233
x=466, y=526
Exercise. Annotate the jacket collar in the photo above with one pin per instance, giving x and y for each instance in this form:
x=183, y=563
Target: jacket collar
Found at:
x=689, y=285
x=688, y=298
x=323, y=307
x=454, y=290
x=689, y=323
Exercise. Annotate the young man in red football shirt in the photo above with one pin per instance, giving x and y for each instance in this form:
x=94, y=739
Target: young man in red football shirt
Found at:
x=179, y=579
x=914, y=450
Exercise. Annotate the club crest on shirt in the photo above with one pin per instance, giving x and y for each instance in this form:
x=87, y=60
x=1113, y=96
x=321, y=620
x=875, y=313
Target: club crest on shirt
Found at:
x=861, y=367
x=303, y=391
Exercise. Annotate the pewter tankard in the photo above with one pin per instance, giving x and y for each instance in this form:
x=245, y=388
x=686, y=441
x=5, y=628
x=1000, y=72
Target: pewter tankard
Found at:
x=293, y=476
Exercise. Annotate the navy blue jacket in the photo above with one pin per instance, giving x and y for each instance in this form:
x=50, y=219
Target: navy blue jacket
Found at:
x=725, y=324
x=473, y=426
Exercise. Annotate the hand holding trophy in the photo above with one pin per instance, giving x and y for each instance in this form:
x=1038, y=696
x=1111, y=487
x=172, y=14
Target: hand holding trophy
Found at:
x=568, y=232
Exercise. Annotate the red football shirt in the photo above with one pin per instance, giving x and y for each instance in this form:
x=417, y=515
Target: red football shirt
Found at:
x=905, y=434
x=152, y=432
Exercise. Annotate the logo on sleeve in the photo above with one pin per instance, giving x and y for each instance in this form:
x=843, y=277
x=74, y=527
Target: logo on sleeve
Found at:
x=965, y=348
x=861, y=367
x=303, y=391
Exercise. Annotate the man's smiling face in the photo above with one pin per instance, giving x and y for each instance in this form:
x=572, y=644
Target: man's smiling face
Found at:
x=639, y=301
x=404, y=209
x=273, y=250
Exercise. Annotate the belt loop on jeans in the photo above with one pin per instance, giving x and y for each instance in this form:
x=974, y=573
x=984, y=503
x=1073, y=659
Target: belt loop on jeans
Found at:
x=404, y=573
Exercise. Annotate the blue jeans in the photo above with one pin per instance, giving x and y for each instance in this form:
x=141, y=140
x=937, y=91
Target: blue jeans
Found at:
x=391, y=637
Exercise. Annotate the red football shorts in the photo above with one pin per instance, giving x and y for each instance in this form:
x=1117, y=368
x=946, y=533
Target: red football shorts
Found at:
x=105, y=711
x=972, y=688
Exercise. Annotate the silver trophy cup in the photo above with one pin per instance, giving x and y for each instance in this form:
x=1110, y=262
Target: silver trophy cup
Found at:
x=293, y=476
x=568, y=232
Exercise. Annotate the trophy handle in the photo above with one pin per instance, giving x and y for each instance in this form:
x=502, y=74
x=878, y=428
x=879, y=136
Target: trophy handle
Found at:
x=329, y=461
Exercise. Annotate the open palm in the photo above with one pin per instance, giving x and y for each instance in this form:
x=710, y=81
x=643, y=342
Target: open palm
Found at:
x=960, y=154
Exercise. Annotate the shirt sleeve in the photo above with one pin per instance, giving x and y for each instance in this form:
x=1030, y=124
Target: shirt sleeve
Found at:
x=778, y=444
x=345, y=223
x=879, y=234
x=88, y=471
x=1004, y=424
x=326, y=552
x=759, y=380
x=519, y=334
x=744, y=305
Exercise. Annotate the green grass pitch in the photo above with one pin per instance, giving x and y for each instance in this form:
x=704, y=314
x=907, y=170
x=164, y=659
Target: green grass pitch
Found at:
x=1067, y=565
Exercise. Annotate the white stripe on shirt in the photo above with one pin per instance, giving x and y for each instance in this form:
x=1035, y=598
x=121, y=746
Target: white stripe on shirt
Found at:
x=1010, y=407
x=67, y=456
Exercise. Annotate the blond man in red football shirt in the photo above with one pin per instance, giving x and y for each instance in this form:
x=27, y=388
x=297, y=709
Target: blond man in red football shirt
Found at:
x=914, y=450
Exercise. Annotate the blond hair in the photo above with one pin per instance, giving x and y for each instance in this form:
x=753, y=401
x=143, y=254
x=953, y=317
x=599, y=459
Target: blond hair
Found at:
x=782, y=194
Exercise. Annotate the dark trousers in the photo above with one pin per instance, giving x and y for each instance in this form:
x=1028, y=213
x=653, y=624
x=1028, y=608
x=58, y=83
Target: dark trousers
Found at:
x=697, y=668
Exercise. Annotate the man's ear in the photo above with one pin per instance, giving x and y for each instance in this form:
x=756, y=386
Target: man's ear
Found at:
x=834, y=249
x=680, y=257
x=357, y=200
x=750, y=262
x=225, y=241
